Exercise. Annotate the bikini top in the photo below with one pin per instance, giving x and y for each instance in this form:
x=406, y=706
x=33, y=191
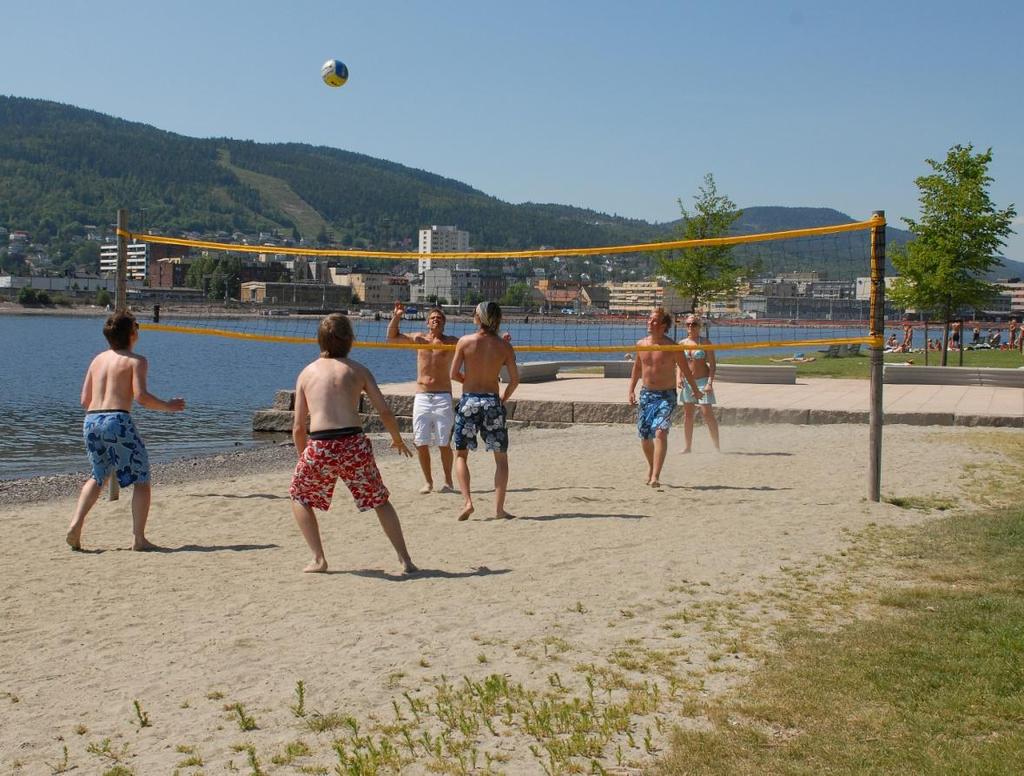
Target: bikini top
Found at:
x=694, y=355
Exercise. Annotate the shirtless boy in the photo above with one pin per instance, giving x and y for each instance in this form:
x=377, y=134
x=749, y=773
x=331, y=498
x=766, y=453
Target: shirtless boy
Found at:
x=432, y=415
x=477, y=364
x=114, y=379
x=327, y=393
x=658, y=399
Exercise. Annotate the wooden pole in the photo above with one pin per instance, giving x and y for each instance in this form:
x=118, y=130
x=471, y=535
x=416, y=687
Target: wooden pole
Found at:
x=120, y=305
x=877, y=327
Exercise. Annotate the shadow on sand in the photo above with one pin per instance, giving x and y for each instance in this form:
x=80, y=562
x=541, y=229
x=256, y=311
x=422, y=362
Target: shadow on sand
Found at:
x=480, y=571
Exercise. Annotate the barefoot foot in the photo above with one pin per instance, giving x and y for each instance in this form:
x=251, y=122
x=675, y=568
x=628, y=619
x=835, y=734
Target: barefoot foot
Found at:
x=143, y=545
x=503, y=515
x=409, y=567
x=464, y=515
x=427, y=488
x=684, y=452
x=655, y=484
x=316, y=566
x=74, y=539
x=447, y=488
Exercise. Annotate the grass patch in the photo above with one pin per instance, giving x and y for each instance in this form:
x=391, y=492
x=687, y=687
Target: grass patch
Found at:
x=923, y=503
x=857, y=367
x=934, y=687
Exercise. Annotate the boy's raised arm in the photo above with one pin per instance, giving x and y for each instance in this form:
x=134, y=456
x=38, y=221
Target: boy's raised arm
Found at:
x=393, y=333
x=142, y=395
x=387, y=417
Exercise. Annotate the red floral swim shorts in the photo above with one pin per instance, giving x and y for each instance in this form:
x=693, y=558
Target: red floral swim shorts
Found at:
x=325, y=460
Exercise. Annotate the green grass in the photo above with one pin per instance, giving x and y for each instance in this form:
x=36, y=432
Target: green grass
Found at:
x=934, y=685
x=858, y=367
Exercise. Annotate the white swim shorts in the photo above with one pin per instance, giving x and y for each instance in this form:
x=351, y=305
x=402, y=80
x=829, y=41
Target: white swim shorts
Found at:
x=432, y=419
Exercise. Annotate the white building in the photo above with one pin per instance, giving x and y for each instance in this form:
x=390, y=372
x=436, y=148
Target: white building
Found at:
x=441, y=239
x=138, y=259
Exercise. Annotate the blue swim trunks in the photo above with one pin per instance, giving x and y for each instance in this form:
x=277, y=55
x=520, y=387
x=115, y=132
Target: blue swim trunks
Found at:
x=484, y=414
x=112, y=443
x=654, y=412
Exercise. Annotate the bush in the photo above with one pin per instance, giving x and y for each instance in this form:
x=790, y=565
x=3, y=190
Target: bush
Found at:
x=28, y=296
x=103, y=297
x=43, y=298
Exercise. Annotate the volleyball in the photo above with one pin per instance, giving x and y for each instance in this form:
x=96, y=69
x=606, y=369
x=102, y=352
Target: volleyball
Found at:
x=334, y=72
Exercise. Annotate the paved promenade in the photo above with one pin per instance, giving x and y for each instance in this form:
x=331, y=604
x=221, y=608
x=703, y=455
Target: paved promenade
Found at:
x=818, y=398
x=582, y=398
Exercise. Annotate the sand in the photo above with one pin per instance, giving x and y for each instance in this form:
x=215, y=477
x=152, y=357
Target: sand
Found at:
x=597, y=566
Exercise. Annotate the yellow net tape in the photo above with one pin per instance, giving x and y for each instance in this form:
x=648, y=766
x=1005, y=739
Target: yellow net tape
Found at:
x=546, y=253
x=802, y=343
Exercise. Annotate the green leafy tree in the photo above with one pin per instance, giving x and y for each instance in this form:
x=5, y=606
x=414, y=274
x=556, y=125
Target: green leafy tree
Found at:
x=28, y=296
x=103, y=297
x=702, y=274
x=517, y=295
x=956, y=239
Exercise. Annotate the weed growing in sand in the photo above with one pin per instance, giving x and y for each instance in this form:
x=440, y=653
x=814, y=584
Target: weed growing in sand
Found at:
x=215, y=695
x=81, y=729
x=424, y=663
x=299, y=708
x=104, y=750
x=292, y=750
x=62, y=765
x=923, y=503
x=119, y=770
x=245, y=722
x=141, y=716
x=324, y=723
x=194, y=759
x=254, y=762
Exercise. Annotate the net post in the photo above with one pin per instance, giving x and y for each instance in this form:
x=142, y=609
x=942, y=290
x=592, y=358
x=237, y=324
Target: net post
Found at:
x=877, y=330
x=120, y=304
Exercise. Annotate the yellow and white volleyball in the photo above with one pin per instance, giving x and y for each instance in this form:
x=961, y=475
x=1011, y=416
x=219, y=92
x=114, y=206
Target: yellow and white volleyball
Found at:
x=334, y=72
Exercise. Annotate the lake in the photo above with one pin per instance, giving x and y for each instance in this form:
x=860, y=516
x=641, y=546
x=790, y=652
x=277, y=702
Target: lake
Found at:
x=43, y=359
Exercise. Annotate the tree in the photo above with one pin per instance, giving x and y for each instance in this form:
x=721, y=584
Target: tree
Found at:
x=103, y=297
x=955, y=242
x=517, y=295
x=705, y=273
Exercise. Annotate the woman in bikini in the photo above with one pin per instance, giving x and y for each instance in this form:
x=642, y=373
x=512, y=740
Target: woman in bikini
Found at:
x=702, y=364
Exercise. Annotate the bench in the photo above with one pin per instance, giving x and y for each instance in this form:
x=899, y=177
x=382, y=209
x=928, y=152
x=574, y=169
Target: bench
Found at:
x=543, y=371
x=991, y=376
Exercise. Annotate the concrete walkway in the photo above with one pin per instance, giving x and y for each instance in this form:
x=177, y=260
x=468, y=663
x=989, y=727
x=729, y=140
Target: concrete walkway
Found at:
x=583, y=398
x=821, y=400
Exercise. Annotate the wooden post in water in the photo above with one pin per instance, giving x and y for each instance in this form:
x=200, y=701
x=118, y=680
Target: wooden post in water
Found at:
x=120, y=305
x=877, y=329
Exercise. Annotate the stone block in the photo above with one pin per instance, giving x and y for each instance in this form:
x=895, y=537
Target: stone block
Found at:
x=284, y=400
x=544, y=411
x=824, y=417
x=273, y=420
x=918, y=419
x=603, y=412
x=992, y=421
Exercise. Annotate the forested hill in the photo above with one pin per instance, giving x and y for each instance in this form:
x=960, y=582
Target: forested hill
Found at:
x=62, y=167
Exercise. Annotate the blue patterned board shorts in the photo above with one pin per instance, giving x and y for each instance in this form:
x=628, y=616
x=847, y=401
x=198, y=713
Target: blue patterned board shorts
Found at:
x=654, y=412
x=484, y=414
x=112, y=442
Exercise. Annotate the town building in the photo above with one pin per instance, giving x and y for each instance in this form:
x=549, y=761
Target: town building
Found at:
x=638, y=297
x=441, y=239
x=140, y=257
x=317, y=295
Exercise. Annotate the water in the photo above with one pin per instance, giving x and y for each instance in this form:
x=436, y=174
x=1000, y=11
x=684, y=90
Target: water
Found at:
x=224, y=381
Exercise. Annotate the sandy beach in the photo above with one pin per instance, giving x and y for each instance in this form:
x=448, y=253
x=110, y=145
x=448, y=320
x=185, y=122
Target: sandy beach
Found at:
x=603, y=590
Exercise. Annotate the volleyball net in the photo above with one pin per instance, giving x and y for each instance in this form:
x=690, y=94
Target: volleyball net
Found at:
x=808, y=288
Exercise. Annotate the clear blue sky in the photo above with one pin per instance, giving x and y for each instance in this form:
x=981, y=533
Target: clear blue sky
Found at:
x=620, y=107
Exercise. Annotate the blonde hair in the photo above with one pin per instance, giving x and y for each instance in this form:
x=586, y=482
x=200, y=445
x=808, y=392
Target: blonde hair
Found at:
x=489, y=315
